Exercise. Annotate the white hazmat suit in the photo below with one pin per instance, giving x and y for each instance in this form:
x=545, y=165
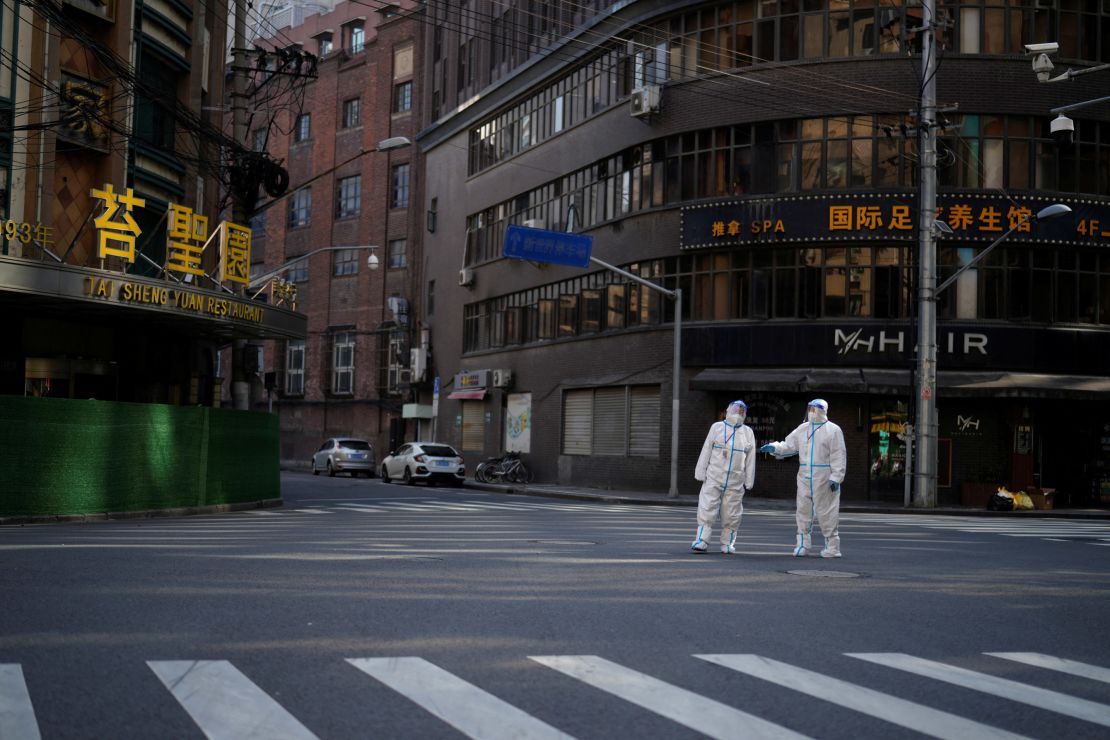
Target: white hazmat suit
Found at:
x=726, y=469
x=822, y=460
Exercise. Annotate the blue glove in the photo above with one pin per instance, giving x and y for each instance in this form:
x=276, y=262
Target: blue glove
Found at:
x=767, y=448
x=834, y=486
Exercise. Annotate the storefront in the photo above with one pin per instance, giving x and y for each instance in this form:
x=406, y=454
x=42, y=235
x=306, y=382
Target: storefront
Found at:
x=110, y=393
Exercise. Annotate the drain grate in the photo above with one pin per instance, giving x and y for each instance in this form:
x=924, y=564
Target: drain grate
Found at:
x=824, y=573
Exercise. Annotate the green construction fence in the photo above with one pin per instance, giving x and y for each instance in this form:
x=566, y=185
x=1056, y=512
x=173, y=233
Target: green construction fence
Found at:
x=60, y=456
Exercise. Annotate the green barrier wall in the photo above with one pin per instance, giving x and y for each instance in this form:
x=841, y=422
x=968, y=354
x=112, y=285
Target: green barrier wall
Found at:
x=61, y=456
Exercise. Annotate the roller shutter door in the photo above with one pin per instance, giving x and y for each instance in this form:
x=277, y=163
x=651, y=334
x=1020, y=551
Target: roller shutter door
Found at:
x=643, y=431
x=473, y=431
x=577, y=422
x=610, y=421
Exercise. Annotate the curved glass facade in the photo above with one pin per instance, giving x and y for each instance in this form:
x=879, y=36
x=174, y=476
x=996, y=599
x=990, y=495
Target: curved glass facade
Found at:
x=831, y=153
x=738, y=35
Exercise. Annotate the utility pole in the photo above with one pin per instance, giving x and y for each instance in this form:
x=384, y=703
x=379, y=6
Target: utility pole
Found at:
x=925, y=467
x=240, y=386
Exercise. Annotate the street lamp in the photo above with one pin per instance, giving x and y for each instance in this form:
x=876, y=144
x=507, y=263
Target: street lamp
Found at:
x=261, y=280
x=925, y=457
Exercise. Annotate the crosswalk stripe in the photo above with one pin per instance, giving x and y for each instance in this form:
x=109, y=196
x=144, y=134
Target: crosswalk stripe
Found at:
x=1052, y=663
x=464, y=706
x=224, y=703
x=897, y=711
x=707, y=716
x=1053, y=701
x=17, y=715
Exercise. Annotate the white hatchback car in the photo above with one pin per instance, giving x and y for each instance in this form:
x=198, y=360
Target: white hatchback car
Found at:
x=431, y=462
x=344, y=455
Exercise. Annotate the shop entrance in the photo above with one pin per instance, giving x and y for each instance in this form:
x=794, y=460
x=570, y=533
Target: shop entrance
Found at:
x=886, y=445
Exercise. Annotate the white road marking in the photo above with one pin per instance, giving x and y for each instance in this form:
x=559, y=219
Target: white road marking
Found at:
x=467, y=708
x=1053, y=701
x=17, y=715
x=918, y=717
x=691, y=710
x=1052, y=663
x=224, y=703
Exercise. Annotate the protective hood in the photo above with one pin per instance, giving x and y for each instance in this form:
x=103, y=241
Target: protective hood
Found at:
x=736, y=412
x=818, y=411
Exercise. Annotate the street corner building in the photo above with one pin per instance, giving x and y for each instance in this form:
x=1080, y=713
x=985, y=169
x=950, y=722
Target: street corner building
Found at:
x=764, y=158
x=120, y=276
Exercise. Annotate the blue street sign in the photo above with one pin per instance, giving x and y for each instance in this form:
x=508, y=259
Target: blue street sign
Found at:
x=556, y=247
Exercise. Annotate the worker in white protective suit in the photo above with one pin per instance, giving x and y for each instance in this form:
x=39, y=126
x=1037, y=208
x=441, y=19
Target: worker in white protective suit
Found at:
x=822, y=459
x=726, y=469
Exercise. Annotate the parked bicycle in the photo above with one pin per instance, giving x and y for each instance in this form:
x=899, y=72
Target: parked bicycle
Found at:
x=506, y=469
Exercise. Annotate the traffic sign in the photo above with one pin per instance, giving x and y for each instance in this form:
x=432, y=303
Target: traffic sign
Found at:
x=540, y=245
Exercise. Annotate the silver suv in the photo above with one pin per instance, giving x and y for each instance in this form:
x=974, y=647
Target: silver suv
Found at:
x=344, y=455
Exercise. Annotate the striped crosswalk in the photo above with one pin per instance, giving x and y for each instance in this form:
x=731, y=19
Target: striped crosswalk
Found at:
x=226, y=704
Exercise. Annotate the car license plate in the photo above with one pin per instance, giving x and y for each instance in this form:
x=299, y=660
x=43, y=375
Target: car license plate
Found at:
x=443, y=464
x=358, y=456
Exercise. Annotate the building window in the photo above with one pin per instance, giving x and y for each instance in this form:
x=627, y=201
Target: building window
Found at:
x=402, y=97
x=431, y=302
x=258, y=140
x=300, y=207
x=155, y=118
x=397, y=257
x=612, y=421
x=348, y=196
x=324, y=43
x=351, y=113
x=346, y=262
x=399, y=193
x=294, y=368
x=304, y=127
x=297, y=273
x=343, y=362
x=356, y=37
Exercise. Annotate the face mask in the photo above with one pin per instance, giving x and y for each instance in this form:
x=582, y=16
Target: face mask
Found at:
x=735, y=419
x=812, y=416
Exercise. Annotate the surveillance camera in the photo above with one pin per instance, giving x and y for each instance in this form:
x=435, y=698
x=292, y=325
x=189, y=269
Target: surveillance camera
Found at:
x=1049, y=48
x=1042, y=65
x=1062, y=129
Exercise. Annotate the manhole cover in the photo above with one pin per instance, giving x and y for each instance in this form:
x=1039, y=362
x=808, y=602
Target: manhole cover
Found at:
x=824, y=573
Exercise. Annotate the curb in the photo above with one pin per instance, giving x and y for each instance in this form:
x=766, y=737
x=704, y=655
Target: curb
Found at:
x=759, y=503
x=103, y=516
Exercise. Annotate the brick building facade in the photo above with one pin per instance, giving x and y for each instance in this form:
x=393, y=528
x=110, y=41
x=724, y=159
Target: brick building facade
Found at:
x=351, y=376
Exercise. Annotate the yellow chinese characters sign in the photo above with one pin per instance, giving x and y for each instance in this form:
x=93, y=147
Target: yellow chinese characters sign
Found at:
x=187, y=236
x=186, y=233
x=882, y=216
x=235, y=253
x=117, y=231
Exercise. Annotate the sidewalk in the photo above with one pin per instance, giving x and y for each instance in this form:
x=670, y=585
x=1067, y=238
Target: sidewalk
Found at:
x=757, y=503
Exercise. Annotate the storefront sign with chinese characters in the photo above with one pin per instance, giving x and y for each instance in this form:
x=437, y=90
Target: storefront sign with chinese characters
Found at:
x=870, y=216
x=187, y=236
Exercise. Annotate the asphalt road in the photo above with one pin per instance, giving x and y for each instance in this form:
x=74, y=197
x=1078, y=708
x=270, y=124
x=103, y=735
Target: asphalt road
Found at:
x=362, y=609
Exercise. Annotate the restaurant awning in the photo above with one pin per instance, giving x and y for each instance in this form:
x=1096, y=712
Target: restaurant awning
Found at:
x=882, y=381
x=469, y=395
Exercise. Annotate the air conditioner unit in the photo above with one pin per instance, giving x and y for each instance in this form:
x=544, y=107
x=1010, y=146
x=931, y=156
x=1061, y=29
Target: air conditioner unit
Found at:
x=645, y=101
x=502, y=378
x=404, y=376
x=534, y=223
x=466, y=277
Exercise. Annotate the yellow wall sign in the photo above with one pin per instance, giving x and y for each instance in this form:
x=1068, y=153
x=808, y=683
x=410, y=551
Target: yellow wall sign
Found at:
x=185, y=301
x=117, y=232
x=186, y=236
